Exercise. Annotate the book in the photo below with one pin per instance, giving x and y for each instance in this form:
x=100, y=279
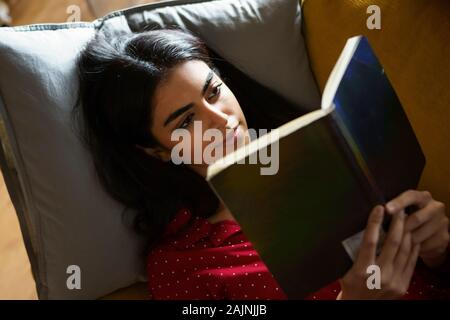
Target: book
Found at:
x=334, y=165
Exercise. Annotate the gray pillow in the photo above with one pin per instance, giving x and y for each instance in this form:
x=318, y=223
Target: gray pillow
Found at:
x=66, y=217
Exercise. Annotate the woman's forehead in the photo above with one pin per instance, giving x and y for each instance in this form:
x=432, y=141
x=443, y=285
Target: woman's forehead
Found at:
x=186, y=74
x=182, y=85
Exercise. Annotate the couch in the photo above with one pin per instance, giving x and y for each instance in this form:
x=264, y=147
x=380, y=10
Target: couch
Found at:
x=413, y=45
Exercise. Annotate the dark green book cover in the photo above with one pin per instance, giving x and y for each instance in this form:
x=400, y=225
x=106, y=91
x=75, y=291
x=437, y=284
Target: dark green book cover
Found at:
x=334, y=165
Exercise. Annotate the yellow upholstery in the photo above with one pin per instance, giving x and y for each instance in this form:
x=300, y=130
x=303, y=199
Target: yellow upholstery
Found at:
x=414, y=47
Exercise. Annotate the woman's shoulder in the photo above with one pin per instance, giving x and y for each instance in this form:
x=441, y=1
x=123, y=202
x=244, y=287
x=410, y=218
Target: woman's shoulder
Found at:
x=209, y=259
x=187, y=231
x=188, y=238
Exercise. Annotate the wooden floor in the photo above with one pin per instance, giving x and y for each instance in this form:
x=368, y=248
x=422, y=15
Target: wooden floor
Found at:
x=37, y=11
x=56, y=11
x=16, y=281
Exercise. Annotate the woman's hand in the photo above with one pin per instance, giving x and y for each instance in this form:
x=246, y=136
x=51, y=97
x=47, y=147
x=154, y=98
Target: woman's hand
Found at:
x=428, y=225
x=396, y=261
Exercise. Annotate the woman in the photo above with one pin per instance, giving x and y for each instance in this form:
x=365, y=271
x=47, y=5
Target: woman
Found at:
x=135, y=91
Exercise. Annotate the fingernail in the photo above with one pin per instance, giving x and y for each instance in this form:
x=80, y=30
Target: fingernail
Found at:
x=390, y=207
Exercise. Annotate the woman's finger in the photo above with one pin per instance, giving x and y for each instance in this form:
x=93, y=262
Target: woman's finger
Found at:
x=408, y=198
x=367, y=251
x=411, y=264
x=393, y=239
x=401, y=259
x=439, y=240
x=427, y=230
x=420, y=217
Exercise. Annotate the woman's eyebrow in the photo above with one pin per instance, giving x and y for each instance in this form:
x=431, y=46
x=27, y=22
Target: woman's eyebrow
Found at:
x=178, y=113
x=182, y=110
x=207, y=82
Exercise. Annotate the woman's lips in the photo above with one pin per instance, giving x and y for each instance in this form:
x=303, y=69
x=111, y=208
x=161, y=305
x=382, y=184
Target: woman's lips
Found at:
x=232, y=134
x=231, y=137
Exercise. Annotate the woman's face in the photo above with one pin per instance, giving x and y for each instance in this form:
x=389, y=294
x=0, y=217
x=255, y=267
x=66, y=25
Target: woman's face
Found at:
x=193, y=92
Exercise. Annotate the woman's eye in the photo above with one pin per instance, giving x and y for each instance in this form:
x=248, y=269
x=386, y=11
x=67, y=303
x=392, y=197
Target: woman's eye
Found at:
x=187, y=121
x=216, y=91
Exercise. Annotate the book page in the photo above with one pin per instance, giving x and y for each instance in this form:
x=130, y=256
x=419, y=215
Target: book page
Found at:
x=338, y=71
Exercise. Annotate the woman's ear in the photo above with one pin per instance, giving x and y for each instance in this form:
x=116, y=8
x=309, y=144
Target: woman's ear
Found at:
x=156, y=152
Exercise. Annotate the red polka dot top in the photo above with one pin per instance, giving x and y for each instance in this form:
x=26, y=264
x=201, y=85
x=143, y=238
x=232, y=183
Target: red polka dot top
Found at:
x=199, y=260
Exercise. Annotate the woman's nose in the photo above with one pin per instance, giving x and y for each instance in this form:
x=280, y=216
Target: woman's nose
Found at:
x=214, y=117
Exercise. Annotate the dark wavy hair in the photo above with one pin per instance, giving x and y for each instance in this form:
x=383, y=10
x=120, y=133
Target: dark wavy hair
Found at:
x=118, y=76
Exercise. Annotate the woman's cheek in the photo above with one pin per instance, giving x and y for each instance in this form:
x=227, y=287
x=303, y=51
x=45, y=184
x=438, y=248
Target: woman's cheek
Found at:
x=233, y=104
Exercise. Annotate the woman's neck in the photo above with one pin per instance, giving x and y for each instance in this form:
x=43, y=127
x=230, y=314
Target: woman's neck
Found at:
x=221, y=214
